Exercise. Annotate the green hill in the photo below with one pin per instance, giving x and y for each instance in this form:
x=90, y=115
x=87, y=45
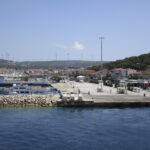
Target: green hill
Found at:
x=141, y=62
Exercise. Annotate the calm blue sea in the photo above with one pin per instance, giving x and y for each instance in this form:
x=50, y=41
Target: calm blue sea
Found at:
x=74, y=129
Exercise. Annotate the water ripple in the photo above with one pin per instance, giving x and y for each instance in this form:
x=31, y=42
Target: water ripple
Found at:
x=74, y=129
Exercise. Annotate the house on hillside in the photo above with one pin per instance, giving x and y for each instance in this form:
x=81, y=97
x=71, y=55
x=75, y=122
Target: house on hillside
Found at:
x=102, y=73
x=130, y=71
x=120, y=73
x=38, y=78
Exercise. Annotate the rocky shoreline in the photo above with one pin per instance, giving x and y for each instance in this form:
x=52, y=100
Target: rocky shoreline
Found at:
x=29, y=100
x=115, y=101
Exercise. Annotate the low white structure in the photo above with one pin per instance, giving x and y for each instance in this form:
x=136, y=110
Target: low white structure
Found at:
x=80, y=78
x=121, y=90
x=136, y=89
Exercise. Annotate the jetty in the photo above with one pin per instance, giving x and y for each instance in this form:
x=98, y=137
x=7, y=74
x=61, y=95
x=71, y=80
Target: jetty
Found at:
x=75, y=94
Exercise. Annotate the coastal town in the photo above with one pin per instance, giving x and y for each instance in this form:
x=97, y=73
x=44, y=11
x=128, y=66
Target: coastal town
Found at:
x=74, y=74
x=74, y=87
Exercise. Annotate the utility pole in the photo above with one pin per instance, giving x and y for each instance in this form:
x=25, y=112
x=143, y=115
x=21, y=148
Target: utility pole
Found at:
x=101, y=38
x=68, y=54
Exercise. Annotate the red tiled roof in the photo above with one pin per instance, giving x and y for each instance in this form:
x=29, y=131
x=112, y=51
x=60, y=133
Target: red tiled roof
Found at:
x=138, y=73
x=118, y=69
x=102, y=71
x=90, y=71
x=130, y=69
x=37, y=75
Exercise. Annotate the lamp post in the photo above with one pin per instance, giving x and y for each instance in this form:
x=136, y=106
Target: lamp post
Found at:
x=68, y=54
x=101, y=38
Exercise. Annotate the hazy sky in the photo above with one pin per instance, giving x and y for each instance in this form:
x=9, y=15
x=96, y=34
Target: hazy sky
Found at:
x=40, y=29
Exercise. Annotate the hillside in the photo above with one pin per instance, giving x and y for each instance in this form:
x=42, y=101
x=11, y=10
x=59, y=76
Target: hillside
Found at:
x=59, y=64
x=47, y=64
x=141, y=62
x=7, y=64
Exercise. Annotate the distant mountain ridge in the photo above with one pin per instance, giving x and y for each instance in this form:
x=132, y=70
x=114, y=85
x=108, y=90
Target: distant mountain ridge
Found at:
x=141, y=62
x=62, y=64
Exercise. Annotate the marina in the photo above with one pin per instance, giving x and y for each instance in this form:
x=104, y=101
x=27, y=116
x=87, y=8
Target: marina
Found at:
x=10, y=88
x=74, y=75
x=70, y=94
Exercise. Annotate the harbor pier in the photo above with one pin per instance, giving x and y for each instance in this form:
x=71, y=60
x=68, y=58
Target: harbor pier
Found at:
x=91, y=98
x=79, y=95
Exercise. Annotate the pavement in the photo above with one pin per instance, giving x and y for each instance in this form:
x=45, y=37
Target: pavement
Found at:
x=109, y=94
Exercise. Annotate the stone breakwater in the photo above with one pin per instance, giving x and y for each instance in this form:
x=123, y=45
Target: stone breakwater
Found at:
x=25, y=100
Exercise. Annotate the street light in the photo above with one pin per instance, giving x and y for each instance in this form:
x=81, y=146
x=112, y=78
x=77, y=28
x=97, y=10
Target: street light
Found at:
x=101, y=38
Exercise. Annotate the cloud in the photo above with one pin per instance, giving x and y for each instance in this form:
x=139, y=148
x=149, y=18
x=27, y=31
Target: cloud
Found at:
x=78, y=46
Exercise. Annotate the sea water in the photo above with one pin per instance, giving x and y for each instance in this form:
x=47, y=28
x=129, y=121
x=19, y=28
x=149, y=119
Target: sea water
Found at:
x=35, y=128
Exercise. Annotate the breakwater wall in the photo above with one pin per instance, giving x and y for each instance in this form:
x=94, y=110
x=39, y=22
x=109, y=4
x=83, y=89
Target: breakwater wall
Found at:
x=54, y=100
x=26, y=100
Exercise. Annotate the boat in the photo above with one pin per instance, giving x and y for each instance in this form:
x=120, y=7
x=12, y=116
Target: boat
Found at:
x=26, y=88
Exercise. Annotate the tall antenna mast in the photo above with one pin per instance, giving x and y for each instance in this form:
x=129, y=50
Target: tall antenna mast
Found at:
x=101, y=38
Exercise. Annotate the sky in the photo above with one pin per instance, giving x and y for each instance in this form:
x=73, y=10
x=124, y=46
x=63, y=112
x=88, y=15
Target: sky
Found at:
x=32, y=30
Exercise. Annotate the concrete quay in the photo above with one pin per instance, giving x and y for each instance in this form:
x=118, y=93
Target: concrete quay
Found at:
x=107, y=98
x=90, y=97
x=119, y=101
